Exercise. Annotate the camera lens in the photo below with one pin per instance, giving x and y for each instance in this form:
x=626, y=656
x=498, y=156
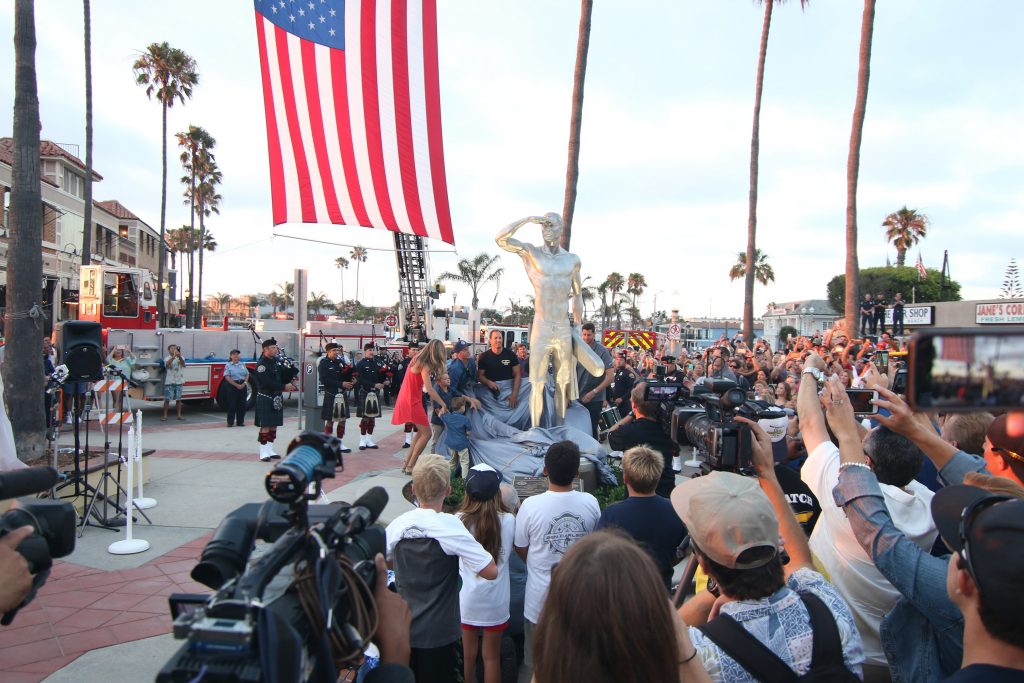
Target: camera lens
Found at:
x=224, y=557
x=288, y=481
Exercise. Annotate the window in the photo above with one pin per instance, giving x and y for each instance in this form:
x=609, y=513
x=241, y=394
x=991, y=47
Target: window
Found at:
x=74, y=184
x=120, y=295
x=59, y=229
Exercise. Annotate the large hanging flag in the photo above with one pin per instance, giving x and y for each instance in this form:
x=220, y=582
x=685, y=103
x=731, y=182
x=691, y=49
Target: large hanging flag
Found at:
x=353, y=108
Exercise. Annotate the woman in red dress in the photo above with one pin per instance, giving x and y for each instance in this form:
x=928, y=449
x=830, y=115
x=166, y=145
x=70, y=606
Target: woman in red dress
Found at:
x=429, y=364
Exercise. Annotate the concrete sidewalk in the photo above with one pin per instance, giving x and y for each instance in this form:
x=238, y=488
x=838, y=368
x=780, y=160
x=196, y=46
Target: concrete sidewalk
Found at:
x=102, y=616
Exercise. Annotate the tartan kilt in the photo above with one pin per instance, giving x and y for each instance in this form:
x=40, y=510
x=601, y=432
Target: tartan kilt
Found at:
x=266, y=415
x=327, y=409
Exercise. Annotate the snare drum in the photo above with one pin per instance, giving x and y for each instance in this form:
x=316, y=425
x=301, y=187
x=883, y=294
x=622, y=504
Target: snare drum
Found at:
x=608, y=418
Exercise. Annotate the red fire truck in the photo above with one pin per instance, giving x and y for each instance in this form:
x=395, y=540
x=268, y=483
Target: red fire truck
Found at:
x=123, y=301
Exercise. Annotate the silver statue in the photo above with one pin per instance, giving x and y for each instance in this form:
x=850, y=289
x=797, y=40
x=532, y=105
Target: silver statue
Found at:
x=555, y=274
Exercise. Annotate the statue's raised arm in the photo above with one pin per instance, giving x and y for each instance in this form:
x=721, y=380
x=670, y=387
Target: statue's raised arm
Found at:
x=504, y=238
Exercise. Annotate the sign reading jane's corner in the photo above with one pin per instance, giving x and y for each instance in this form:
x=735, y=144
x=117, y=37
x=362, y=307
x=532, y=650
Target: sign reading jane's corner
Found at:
x=999, y=313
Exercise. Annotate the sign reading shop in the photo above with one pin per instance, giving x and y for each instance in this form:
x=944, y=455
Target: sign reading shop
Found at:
x=999, y=313
x=913, y=315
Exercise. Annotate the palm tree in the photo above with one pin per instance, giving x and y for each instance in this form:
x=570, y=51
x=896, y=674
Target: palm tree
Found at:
x=254, y=301
x=222, y=299
x=853, y=166
x=318, y=301
x=588, y=294
x=287, y=290
x=22, y=367
x=169, y=74
x=200, y=180
x=755, y=144
x=602, y=291
x=358, y=254
x=475, y=273
x=87, y=217
x=614, y=284
x=572, y=171
x=763, y=272
x=904, y=229
x=342, y=264
x=277, y=300
x=636, y=283
x=179, y=241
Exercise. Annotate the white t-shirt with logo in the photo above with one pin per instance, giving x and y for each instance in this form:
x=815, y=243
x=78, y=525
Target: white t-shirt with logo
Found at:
x=483, y=602
x=548, y=524
x=845, y=564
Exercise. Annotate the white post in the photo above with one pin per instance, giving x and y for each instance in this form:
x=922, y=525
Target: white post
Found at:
x=141, y=502
x=129, y=546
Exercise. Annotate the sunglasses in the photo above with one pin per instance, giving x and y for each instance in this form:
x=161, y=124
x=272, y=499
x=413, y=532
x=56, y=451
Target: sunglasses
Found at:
x=967, y=518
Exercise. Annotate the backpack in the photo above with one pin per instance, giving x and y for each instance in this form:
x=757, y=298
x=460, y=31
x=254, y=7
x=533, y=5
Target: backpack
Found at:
x=764, y=665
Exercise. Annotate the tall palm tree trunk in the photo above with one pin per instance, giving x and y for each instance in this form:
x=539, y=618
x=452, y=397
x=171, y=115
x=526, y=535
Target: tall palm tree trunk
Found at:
x=357, y=279
x=853, y=167
x=162, y=252
x=572, y=171
x=755, y=146
x=190, y=299
x=87, y=223
x=23, y=363
x=202, y=249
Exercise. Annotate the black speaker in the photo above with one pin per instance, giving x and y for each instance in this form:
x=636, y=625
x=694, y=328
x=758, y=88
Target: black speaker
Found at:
x=82, y=342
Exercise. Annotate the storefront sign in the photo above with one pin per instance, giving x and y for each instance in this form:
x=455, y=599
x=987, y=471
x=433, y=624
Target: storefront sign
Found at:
x=999, y=313
x=913, y=315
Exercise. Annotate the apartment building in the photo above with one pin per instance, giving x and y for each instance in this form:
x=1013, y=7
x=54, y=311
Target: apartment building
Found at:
x=119, y=236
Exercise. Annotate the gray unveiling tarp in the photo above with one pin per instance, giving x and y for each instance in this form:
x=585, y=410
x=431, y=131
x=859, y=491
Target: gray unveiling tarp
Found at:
x=503, y=438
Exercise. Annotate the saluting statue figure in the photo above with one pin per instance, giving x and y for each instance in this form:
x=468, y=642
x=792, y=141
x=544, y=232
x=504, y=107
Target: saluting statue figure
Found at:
x=555, y=274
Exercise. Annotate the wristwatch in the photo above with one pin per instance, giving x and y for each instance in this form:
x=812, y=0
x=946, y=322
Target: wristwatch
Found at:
x=817, y=374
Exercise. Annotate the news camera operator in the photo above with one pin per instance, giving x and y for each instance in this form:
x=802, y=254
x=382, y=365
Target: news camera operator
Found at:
x=643, y=427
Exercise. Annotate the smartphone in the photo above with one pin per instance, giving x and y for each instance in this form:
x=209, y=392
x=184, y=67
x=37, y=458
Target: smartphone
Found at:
x=882, y=361
x=861, y=399
x=967, y=370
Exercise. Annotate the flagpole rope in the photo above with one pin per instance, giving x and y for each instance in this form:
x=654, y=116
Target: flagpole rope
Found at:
x=338, y=244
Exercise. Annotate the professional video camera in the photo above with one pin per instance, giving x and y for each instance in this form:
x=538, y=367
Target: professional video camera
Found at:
x=53, y=523
x=305, y=606
x=705, y=418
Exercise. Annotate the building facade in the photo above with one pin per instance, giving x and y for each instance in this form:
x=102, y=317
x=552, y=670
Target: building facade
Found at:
x=806, y=317
x=119, y=236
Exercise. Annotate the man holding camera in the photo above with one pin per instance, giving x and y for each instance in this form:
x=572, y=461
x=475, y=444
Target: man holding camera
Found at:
x=643, y=428
x=174, y=379
x=14, y=569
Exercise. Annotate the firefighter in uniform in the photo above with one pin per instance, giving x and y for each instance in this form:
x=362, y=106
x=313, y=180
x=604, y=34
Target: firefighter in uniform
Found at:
x=370, y=376
x=622, y=384
x=270, y=385
x=336, y=376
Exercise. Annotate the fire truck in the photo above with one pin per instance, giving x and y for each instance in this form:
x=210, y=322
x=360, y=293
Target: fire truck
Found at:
x=123, y=301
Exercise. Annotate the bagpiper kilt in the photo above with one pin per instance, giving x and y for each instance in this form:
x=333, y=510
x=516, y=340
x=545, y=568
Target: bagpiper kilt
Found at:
x=335, y=407
x=367, y=399
x=267, y=414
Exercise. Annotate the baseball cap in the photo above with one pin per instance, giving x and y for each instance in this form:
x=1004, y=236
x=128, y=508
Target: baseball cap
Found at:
x=460, y=345
x=727, y=515
x=668, y=359
x=483, y=482
x=994, y=528
x=1003, y=441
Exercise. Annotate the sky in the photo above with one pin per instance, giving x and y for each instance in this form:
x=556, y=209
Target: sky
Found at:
x=665, y=152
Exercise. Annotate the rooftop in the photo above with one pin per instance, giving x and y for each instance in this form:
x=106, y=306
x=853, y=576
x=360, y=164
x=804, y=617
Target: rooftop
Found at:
x=47, y=149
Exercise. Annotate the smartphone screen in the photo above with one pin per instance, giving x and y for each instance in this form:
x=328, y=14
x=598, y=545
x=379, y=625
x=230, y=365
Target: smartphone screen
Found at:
x=860, y=399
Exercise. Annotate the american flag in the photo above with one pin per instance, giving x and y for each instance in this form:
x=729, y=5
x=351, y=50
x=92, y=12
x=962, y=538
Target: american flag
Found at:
x=353, y=109
x=921, y=271
x=958, y=349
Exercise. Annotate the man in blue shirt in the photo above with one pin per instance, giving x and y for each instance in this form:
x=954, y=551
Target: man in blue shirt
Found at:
x=646, y=516
x=462, y=371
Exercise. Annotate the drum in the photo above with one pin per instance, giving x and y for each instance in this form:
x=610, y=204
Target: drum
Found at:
x=608, y=418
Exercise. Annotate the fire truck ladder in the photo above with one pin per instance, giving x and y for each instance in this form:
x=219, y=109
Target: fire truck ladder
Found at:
x=413, y=285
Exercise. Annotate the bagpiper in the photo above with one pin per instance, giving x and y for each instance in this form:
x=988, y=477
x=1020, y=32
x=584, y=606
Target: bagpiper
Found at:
x=270, y=386
x=370, y=376
x=336, y=376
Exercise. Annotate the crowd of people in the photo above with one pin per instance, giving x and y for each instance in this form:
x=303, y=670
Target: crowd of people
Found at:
x=897, y=554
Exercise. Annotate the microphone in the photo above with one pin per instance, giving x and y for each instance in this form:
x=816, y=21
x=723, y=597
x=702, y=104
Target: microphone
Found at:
x=363, y=512
x=17, y=483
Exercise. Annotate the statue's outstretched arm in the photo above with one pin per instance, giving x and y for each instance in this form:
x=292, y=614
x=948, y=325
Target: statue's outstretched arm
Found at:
x=504, y=238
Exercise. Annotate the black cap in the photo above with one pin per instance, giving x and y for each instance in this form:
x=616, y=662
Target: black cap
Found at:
x=483, y=482
x=995, y=540
x=269, y=342
x=668, y=359
x=332, y=346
